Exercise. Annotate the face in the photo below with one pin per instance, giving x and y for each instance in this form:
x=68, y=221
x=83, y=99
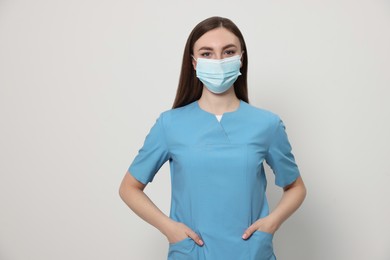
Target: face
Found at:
x=218, y=43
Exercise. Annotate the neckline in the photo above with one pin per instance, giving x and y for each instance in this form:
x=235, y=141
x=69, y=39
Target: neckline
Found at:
x=223, y=114
x=219, y=117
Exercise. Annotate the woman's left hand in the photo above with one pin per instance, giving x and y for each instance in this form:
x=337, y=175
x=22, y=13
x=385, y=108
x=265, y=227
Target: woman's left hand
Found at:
x=266, y=224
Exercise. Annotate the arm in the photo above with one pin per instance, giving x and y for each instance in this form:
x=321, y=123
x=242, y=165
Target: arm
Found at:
x=132, y=193
x=292, y=198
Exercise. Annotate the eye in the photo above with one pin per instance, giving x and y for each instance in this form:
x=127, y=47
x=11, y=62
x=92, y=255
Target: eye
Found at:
x=230, y=52
x=205, y=54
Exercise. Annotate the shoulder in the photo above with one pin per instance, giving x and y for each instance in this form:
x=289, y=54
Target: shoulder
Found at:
x=260, y=115
x=177, y=114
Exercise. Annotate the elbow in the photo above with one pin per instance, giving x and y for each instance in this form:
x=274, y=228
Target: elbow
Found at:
x=129, y=184
x=126, y=193
x=304, y=192
x=299, y=187
x=124, y=189
x=121, y=191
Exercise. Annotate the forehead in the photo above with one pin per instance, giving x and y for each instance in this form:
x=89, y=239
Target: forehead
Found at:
x=217, y=38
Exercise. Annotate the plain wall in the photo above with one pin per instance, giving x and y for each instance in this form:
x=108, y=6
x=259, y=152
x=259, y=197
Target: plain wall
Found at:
x=82, y=82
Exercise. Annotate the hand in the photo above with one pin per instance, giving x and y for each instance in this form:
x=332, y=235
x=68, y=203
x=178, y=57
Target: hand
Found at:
x=263, y=224
x=177, y=231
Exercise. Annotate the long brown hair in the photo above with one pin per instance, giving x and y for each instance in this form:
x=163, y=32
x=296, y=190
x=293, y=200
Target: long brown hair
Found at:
x=190, y=87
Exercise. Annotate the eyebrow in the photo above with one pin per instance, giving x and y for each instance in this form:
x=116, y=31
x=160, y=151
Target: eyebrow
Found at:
x=210, y=49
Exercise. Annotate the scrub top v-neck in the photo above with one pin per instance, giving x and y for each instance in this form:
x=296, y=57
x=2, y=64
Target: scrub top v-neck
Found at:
x=217, y=176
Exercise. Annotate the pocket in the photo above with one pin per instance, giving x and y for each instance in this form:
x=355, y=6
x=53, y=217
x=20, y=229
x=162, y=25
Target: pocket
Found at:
x=182, y=250
x=259, y=232
x=179, y=242
x=261, y=246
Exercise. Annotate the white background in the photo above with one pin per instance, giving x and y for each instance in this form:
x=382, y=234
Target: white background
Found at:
x=82, y=82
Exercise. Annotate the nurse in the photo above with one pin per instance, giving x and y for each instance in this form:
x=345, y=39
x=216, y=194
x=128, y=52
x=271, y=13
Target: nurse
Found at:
x=216, y=144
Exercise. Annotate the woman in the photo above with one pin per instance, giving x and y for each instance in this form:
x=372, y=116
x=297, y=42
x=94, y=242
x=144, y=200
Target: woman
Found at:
x=216, y=144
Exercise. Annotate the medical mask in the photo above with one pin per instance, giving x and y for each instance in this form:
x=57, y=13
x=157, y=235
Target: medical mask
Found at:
x=218, y=75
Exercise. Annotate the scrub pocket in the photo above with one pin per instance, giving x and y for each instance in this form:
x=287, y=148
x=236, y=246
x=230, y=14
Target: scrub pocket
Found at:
x=182, y=250
x=261, y=246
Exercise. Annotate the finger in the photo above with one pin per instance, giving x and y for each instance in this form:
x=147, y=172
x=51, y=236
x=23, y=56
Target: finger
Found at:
x=248, y=232
x=195, y=237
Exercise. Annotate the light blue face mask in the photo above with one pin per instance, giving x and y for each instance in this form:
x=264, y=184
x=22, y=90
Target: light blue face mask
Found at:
x=218, y=75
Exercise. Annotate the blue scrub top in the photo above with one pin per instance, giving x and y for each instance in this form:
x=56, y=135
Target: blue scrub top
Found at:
x=217, y=176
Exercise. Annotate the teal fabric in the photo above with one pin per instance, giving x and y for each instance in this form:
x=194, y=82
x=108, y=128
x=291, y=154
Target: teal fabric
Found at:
x=217, y=176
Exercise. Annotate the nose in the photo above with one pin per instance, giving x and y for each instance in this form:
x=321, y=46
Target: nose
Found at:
x=218, y=56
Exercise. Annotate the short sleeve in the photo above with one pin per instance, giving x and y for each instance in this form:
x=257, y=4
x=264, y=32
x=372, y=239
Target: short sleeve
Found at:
x=280, y=158
x=153, y=154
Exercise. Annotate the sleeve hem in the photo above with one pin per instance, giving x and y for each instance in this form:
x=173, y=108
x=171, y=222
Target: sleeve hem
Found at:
x=290, y=180
x=137, y=177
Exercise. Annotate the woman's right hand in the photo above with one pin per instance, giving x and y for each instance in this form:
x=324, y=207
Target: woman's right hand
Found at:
x=131, y=191
x=177, y=231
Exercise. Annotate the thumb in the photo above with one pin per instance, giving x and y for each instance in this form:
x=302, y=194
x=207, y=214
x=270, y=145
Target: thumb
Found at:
x=248, y=232
x=195, y=237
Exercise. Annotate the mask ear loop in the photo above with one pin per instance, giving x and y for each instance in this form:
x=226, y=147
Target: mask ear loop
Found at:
x=195, y=61
x=241, y=57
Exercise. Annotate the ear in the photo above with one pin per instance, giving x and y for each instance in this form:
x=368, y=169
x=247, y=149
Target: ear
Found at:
x=193, y=63
x=242, y=58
